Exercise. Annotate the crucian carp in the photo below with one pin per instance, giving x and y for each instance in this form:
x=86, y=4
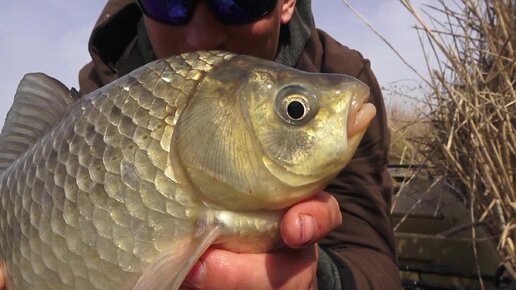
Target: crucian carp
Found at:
x=126, y=187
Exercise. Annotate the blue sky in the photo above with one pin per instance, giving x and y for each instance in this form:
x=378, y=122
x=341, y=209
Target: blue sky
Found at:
x=51, y=37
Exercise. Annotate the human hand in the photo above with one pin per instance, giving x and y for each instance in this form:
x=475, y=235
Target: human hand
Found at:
x=290, y=268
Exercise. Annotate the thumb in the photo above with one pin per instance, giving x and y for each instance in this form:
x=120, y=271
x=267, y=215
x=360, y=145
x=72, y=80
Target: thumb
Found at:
x=309, y=221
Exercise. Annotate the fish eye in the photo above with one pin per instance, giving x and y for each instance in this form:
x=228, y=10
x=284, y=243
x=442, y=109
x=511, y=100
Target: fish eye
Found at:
x=296, y=105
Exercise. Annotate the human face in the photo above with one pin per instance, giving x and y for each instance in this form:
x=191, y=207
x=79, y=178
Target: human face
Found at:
x=204, y=32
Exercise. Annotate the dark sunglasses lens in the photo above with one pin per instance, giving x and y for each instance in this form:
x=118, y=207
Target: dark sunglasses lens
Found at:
x=241, y=11
x=168, y=11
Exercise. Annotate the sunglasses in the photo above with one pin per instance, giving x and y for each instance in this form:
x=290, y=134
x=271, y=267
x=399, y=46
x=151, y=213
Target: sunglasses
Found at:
x=179, y=12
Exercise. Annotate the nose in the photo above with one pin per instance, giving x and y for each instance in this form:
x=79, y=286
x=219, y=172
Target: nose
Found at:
x=204, y=31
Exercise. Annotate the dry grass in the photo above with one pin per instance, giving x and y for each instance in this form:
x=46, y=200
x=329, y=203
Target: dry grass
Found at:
x=409, y=127
x=473, y=108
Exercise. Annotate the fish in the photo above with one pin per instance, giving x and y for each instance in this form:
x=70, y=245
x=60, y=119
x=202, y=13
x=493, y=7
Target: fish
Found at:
x=126, y=187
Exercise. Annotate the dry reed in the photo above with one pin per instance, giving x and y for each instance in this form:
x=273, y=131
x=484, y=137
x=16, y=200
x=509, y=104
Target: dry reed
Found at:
x=473, y=108
x=409, y=126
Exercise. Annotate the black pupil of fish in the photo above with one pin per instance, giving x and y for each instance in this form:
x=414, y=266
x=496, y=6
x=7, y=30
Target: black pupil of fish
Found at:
x=296, y=110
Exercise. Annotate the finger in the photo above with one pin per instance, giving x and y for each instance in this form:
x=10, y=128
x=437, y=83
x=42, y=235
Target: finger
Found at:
x=310, y=220
x=221, y=269
x=3, y=282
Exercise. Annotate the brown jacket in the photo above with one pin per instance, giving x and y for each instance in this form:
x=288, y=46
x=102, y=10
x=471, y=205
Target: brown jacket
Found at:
x=363, y=247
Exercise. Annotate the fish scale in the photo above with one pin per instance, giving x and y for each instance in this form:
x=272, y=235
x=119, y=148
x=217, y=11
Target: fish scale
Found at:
x=94, y=221
x=117, y=190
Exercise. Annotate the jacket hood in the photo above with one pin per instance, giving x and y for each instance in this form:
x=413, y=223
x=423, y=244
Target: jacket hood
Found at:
x=295, y=34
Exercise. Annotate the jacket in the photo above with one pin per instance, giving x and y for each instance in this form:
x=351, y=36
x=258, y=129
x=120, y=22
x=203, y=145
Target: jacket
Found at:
x=360, y=254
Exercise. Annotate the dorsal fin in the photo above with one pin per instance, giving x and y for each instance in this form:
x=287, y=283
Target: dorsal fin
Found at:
x=40, y=101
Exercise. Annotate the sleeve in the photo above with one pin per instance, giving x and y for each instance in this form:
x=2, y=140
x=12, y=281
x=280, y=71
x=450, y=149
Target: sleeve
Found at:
x=363, y=246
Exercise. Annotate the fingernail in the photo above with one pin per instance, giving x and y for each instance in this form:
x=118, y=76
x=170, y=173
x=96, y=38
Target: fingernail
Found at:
x=196, y=275
x=308, y=229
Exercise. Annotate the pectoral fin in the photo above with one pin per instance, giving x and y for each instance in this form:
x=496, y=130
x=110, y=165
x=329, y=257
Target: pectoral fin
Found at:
x=170, y=269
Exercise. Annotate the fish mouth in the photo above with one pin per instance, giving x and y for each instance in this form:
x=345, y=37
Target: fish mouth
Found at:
x=360, y=114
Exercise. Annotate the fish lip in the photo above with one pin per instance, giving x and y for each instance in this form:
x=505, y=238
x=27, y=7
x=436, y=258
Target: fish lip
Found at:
x=359, y=105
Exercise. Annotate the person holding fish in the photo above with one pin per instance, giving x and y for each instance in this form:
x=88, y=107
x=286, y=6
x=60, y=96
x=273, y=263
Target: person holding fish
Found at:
x=341, y=238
